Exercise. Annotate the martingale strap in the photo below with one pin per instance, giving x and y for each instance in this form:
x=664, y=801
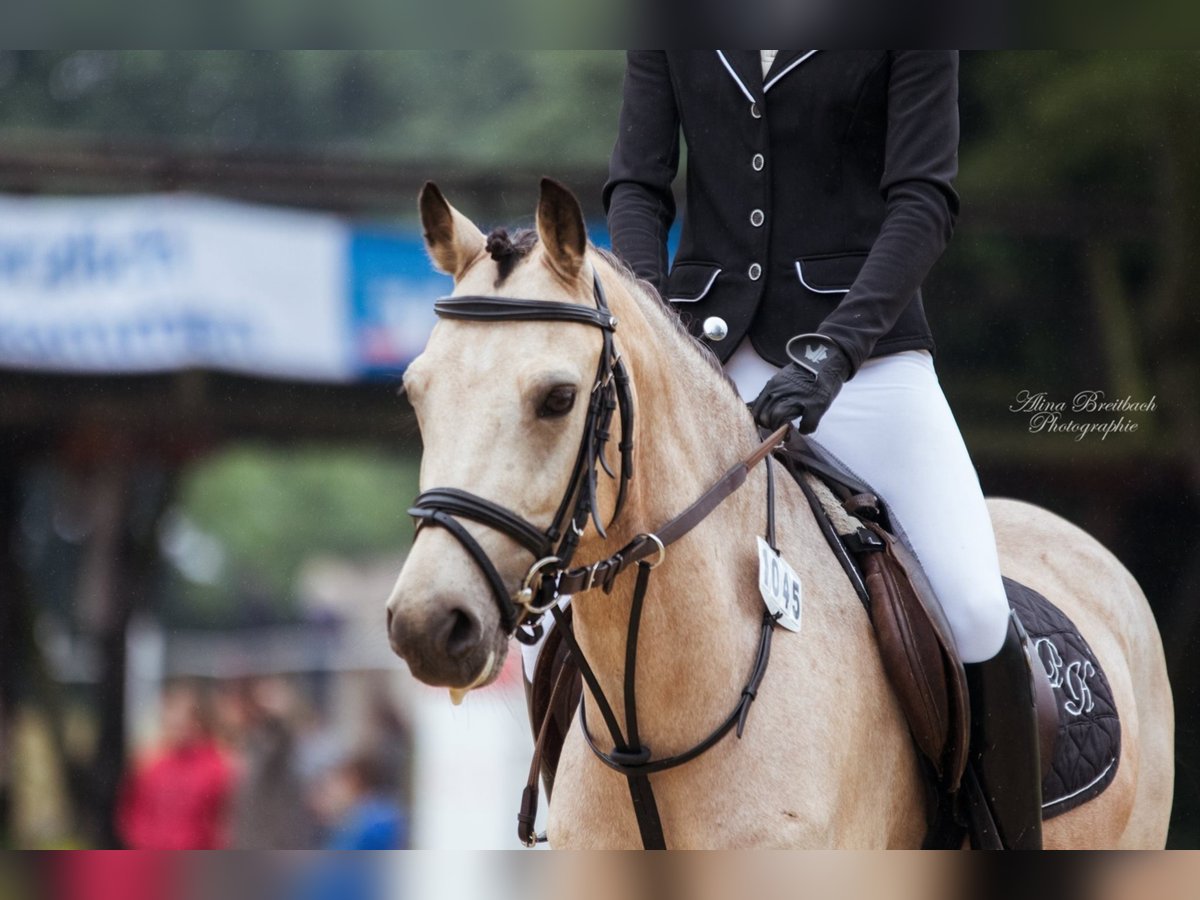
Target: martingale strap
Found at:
x=630, y=755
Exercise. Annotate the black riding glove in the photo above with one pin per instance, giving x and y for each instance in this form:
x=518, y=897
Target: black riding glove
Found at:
x=806, y=386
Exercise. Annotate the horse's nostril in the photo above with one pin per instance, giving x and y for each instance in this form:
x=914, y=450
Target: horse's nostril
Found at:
x=463, y=633
x=389, y=620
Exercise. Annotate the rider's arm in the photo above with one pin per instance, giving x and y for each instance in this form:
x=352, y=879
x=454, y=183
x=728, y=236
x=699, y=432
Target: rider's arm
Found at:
x=921, y=161
x=637, y=195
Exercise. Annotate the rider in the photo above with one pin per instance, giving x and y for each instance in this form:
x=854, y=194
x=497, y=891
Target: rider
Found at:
x=819, y=195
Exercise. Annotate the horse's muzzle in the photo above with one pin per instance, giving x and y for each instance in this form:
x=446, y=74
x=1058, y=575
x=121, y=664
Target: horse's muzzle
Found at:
x=444, y=643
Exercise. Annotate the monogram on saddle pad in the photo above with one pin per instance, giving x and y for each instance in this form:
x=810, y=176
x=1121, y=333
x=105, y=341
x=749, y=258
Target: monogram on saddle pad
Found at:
x=1079, y=729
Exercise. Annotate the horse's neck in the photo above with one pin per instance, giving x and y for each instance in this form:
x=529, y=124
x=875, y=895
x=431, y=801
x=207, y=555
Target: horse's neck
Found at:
x=699, y=626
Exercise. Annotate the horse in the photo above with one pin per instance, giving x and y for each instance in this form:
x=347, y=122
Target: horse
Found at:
x=826, y=760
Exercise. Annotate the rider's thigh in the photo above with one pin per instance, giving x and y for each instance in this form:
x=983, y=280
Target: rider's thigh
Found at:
x=891, y=426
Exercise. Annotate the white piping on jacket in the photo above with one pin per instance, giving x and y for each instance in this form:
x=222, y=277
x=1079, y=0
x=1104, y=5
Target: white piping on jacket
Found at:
x=699, y=296
x=816, y=290
x=791, y=65
x=740, y=83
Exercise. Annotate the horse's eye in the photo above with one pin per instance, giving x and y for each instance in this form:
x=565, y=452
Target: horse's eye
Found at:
x=557, y=402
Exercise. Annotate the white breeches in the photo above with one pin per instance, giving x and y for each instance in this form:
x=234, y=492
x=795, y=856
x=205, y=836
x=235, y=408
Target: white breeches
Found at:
x=891, y=426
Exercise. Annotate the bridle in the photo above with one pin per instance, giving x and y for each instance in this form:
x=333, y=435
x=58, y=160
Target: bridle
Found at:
x=553, y=548
x=550, y=576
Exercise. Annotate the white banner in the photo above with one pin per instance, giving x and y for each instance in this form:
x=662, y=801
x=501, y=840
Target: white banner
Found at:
x=162, y=282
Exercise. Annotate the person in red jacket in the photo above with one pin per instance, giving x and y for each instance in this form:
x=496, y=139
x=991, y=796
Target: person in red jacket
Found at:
x=177, y=798
x=97, y=875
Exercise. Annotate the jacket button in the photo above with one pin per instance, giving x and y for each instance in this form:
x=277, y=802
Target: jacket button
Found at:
x=755, y=271
x=757, y=162
x=756, y=218
x=716, y=328
x=755, y=111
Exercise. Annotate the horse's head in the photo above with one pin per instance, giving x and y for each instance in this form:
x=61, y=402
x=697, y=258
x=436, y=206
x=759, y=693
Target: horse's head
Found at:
x=501, y=406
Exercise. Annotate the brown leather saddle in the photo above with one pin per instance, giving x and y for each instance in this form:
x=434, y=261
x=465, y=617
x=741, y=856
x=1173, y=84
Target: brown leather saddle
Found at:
x=914, y=639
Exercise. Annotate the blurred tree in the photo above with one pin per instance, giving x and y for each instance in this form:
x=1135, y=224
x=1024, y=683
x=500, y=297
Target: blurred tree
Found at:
x=1105, y=132
x=467, y=107
x=1111, y=137
x=269, y=510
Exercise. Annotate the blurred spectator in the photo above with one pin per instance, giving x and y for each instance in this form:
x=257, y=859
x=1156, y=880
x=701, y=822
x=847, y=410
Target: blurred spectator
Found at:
x=270, y=812
x=99, y=875
x=177, y=798
x=354, y=801
x=389, y=740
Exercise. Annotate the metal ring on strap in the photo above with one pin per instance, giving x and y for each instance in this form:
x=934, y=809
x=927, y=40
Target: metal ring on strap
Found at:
x=662, y=550
x=524, y=597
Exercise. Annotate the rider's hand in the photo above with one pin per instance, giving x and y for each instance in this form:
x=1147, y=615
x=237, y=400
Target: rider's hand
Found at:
x=806, y=386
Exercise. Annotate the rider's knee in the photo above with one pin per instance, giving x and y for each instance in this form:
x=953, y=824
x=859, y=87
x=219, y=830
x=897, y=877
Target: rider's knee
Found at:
x=980, y=622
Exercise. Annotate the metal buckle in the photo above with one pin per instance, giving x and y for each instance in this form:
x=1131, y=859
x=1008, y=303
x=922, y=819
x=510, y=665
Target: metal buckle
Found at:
x=591, y=577
x=602, y=384
x=524, y=597
x=612, y=368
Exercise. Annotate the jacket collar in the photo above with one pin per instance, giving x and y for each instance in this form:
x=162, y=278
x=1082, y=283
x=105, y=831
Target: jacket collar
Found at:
x=745, y=68
x=786, y=61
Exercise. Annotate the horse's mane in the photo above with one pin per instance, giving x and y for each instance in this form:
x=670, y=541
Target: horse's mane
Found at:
x=647, y=293
x=508, y=250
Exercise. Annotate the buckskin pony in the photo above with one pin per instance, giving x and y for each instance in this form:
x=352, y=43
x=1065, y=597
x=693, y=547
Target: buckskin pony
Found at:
x=503, y=397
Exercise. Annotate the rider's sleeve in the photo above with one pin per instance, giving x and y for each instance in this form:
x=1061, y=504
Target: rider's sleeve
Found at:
x=637, y=196
x=921, y=162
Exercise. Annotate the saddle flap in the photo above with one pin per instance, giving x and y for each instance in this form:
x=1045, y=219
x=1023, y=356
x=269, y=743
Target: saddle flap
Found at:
x=919, y=656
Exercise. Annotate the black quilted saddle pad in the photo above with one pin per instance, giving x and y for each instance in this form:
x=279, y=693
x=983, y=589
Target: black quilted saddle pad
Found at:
x=1089, y=730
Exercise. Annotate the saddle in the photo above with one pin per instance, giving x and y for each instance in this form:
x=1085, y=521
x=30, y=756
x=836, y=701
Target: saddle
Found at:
x=915, y=642
x=1078, y=753
x=1078, y=726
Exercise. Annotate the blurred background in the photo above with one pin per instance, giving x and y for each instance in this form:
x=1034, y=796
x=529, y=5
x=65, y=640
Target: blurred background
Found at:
x=211, y=278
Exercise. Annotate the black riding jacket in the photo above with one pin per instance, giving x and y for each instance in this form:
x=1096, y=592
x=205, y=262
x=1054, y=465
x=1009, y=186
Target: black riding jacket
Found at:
x=818, y=196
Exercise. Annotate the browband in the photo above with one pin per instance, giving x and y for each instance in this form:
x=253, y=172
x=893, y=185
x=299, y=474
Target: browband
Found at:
x=482, y=307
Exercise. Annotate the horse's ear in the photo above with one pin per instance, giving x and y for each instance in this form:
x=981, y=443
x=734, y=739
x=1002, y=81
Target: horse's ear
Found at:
x=450, y=237
x=561, y=229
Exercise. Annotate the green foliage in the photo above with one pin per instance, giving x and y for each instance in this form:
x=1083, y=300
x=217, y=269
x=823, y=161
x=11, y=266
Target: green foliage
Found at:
x=272, y=508
x=1069, y=121
x=470, y=107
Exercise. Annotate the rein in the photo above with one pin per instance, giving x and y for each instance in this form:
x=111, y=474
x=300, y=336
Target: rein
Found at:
x=550, y=576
